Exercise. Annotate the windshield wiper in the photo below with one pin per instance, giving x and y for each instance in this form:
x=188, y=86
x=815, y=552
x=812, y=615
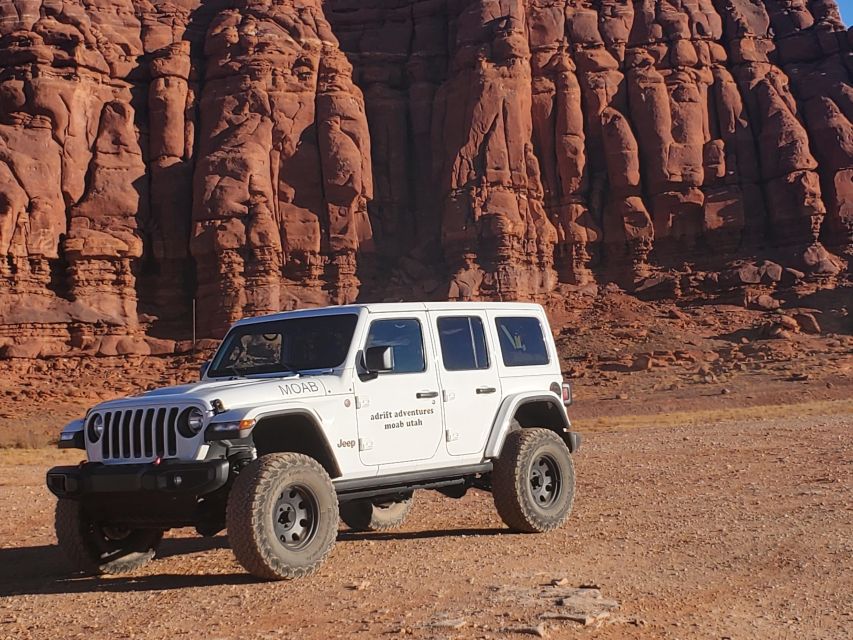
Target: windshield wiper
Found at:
x=290, y=368
x=238, y=373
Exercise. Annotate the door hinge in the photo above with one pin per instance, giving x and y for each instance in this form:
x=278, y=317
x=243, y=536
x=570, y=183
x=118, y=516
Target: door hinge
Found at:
x=447, y=396
x=364, y=444
x=451, y=436
x=361, y=402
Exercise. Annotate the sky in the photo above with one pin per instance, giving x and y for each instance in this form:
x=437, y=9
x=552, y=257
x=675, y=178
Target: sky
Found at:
x=846, y=7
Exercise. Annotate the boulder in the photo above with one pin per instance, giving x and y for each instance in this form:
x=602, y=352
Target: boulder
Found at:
x=807, y=322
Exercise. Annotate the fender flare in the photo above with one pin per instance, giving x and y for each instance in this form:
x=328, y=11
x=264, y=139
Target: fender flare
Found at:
x=503, y=422
x=73, y=435
x=259, y=413
x=313, y=417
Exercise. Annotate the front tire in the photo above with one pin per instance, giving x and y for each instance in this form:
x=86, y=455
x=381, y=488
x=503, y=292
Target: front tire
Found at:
x=533, y=481
x=282, y=516
x=367, y=515
x=93, y=547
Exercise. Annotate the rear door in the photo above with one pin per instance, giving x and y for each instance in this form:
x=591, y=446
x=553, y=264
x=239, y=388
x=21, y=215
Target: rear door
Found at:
x=471, y=389
x=399, y=412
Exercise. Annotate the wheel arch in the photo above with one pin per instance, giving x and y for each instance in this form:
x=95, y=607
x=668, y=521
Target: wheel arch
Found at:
x=295, y=432
x=543, y=410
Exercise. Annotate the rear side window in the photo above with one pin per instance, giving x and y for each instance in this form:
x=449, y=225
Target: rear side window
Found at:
x=405, y=337
x=522, y=342
x=463, y=343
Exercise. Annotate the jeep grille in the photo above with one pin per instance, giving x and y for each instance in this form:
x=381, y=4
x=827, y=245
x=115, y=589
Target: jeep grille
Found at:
x=140, y=434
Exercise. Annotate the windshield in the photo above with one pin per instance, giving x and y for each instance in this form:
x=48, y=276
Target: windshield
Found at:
x=282, y=346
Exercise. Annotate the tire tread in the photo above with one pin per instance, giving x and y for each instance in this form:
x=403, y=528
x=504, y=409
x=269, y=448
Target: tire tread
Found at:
x=509, y=481
x=83, y=555
x=245, y=505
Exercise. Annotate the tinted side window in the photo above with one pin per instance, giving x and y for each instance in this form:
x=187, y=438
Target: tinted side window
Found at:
x=405, y=336
x=463, y=343
x=522, y=342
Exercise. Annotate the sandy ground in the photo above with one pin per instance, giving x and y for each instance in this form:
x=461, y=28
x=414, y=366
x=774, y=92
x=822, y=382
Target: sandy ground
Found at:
x=714, y=500
x=708, y=529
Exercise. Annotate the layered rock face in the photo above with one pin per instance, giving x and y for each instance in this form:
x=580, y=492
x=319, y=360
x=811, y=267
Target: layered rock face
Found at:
x=260, y=155
x=283, y=172
x=650, y=133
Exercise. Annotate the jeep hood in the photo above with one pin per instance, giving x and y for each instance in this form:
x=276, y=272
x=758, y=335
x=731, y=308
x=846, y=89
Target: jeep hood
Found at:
x=236, y=392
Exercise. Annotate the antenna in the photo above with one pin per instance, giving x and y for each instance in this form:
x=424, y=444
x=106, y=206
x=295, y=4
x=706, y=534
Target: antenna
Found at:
x=193, y=326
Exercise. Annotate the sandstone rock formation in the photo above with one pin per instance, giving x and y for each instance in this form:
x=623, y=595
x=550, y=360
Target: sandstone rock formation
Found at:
x=256, y=155
x=283, y=174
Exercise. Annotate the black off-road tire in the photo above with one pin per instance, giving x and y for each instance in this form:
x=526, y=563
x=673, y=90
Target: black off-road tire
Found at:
x=533, y=481
x=282, y=516
x=95, y=548
x=367, y=515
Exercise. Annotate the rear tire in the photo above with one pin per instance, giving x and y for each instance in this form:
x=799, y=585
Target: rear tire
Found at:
x=282, y=516
x=367, y=515
x=94, y=548
x=533, y=481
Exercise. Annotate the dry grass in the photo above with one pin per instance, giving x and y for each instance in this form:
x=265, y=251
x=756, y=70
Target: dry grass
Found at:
x=43, y=456
x=24, y=439
x=710, y=416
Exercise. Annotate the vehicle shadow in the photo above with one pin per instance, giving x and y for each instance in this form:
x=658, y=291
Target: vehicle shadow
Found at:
x=348, y=536
x=43, y=570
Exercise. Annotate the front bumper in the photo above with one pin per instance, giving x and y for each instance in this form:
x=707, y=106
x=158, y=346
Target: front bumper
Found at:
x=176, y=479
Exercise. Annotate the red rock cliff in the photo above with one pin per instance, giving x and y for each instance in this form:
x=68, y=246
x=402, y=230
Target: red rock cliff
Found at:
x=259, y=155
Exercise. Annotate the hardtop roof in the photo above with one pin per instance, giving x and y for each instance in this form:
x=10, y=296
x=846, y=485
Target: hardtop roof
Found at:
x=394, y=307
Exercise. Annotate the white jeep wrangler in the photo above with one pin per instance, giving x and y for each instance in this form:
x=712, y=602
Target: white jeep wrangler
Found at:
x=305, y=417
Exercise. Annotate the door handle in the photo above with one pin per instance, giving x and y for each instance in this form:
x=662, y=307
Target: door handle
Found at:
x=427, y=394
x=486, y=389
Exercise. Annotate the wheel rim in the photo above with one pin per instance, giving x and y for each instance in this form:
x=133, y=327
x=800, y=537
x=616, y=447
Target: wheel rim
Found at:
x=295, y=517
x=545, y=481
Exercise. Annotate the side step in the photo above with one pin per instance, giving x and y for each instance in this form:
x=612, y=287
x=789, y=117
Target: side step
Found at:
x=401, y=483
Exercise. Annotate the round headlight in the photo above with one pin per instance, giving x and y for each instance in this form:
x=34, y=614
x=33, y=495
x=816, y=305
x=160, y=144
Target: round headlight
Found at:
x=192, y=421
x=95, y=428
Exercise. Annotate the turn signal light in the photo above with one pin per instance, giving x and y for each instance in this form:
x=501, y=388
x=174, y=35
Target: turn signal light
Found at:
x=228, y=430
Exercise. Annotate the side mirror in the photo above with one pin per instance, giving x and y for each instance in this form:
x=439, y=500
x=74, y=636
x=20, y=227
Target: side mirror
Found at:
x=379, y=359
x=203, y=369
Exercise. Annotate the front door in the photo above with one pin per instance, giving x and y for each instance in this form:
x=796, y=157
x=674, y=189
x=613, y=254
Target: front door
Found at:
x=399, y=411
x=469, y=378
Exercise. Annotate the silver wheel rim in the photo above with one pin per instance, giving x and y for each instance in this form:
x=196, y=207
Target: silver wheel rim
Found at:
x=545, y=481
x=295, y=517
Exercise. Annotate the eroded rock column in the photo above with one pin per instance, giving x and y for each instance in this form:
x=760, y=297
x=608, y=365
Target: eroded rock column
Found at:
x=283, y=174
x=496, y=237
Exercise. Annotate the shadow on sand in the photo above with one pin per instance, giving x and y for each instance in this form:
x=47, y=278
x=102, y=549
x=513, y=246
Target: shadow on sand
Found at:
x=43, y=570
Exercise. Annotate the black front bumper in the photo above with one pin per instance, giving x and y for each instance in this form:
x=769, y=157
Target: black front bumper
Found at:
x=167, y=479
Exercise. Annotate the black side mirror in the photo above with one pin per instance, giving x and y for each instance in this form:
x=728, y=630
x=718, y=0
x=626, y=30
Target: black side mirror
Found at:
x=203, y=369
x=379, y=359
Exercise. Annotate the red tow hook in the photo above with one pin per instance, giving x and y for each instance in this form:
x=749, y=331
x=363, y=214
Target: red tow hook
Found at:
x=157, y=461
